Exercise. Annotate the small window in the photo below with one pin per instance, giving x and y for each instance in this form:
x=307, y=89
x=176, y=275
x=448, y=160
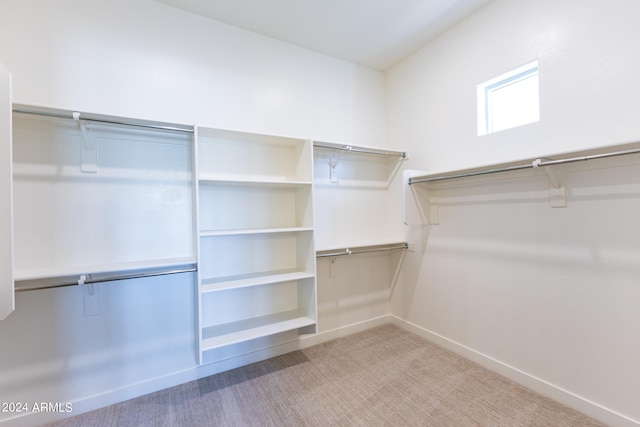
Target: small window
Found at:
x=509, y=100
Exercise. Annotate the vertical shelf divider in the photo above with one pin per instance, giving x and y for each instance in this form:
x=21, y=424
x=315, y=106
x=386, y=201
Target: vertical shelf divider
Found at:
x=7, y=303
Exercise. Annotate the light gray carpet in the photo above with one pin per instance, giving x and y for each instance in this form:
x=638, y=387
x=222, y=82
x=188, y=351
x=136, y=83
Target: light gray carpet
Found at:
x=381, y=377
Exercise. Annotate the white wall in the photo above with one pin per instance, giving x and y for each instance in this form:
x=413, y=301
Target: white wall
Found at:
x=142, y=59
x=588, y=82
x=148, y=60
x=547, y=296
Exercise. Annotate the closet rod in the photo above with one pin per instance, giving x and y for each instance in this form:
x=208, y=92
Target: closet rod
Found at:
x=348, y=251
x=111, y=278
x=536, y=163
x=356, y=149
x=89, y=118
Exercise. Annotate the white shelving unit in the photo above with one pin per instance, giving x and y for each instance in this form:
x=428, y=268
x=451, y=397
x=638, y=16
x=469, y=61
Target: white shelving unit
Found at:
x=356, y=165
x=256, y=252
x=6, y=197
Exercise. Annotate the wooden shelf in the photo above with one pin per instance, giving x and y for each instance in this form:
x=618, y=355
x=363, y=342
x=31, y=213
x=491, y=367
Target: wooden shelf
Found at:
x=355, y=165
x=248, y=280
x=359, y=245
x=254, y=205
x=359, y=149
x=244, y=156
x=120, y=267
x=244, y=232
x=248, y=329
x=213, y=179
x=224, y=135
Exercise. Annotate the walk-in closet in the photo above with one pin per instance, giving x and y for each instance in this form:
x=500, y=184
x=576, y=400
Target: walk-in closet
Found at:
x=309, y=213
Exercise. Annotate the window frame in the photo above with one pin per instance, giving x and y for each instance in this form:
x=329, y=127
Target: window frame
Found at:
x=486, y=89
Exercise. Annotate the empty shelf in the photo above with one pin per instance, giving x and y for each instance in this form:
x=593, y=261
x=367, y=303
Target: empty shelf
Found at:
x=247, y=231
x=258, y=279
x=244, y=330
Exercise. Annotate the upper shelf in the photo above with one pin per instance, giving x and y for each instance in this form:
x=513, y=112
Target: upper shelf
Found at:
x=40, y=278
x=359, y=149
x=362, y=248
x=356, y=165
x=99, y=118
x=532, y=163
x=422, y=208
x=243, y=180
x=253, y=231
x=237, y=156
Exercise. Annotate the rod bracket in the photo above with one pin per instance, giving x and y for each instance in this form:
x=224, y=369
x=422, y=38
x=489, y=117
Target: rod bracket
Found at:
x=82, y=282
x=333, y=164
x=557, y=189
x=88, y=150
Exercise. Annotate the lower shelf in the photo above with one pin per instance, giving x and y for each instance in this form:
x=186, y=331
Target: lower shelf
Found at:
x=257, y=327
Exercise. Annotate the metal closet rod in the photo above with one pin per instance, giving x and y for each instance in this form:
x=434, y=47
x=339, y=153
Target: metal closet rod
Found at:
x=349, y=251
x=88, y=280
x=359, y=149
x=89, y=118
x=536, y=163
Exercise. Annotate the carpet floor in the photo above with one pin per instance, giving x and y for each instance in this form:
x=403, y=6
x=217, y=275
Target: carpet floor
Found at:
x=384, y=376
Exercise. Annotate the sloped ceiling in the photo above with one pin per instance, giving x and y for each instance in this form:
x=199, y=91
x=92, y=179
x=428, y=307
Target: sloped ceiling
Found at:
x=374, y=33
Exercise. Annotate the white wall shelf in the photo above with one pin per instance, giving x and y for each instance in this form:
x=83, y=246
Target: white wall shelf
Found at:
x=356, y=165
x=232, y=255
x=67, y=271
x=249, y=329
x=131, y=210
x=421, y=188
x=242, y=156
x=249, y=280
x=361, y=249
x=359, y=149
x=44, y=279
x=255, y=206
x=531, y=163
x=256, y=237
x=247, y=231
x=251, y=181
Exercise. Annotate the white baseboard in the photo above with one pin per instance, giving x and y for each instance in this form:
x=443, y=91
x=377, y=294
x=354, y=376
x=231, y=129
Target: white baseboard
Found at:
x=538, y=385
x=343, y=331
x=542, y=387
x=114, y=396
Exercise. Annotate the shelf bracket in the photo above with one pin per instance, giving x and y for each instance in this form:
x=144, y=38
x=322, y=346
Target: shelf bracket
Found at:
x=557, y=190
x=421, y=204
x=82, y=282
x=428, y=205
x=88, y=150
x=333, y=163
x=92, y=298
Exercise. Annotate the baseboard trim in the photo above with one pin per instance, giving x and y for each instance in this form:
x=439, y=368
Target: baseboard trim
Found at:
x=344, y=331
x=538, y=385
x=132, y=391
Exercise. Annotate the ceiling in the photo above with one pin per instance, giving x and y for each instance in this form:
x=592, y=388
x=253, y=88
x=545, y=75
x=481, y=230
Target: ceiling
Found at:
x=374, y=33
